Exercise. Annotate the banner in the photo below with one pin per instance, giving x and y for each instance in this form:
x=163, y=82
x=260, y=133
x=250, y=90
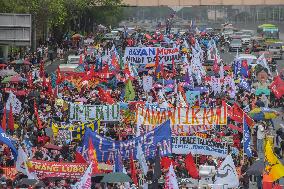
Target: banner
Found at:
x=184, y=116
x=9, y=172
x=197, y=145
x=56, y=169
x=106, y=148
x=146, y=55
x=91, y=112
x=15, y=104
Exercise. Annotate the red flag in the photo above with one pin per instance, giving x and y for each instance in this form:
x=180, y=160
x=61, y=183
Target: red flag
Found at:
x=105, y=69
x=41, y=69
x=81, y=59
x=277, y=87
x=4, y=118
x=93, y=157
x=105, y=97
x=234, y=127
x=37, y=116
x=30, y=79
x=157, y=61
x=133, y=171
x=174, y=68
x=11, y=121
x=92, y=72
x=58, y=79
x=191, y=167
x=215, y=65
x=166, y=162
x=79, y=158
x=249, y=120
x=55, y=92
x=49, y=88
x=114, y=62
x=44, y=84
x=237, y=113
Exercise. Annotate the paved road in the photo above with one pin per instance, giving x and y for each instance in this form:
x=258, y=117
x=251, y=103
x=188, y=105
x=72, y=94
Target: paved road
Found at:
x=51, y=67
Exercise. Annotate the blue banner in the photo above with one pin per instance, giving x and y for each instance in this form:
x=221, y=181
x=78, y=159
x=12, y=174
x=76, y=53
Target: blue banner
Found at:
x=4, y=138
x=246, y=139
x=107, y=148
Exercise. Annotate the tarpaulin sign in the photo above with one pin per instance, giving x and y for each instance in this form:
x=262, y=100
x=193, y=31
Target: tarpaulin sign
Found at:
x=107, y=148
x=79, y=112
x=184, y=116
x=56, y=169
x=10, y=172
x=197, y=145
x=146, y=55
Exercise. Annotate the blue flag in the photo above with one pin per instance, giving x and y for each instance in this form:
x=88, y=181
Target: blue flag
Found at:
x=6, y=140
x=118, y=164
x=244, y=84
x=246, y=139
x=107, y=148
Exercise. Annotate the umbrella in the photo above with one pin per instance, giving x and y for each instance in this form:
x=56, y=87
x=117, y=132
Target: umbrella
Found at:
x=52, y=147
x=6, y=72
x=15, y=79
x=263, y=113
x=77, y=36
x=256, y=168
x=116, y=177
x=21, y=61
x=150, y=65
x=98, y=177
x=82, y=99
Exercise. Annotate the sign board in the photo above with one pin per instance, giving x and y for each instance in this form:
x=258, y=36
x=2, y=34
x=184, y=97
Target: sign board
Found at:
x=15, y=29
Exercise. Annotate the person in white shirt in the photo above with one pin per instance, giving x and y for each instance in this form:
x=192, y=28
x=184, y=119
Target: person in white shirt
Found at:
x=260, y=137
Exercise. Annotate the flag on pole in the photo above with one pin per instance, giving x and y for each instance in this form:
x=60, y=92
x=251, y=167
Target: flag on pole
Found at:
x=11, y=122
x=85, y=181
x=141, y=158
x=246, y=139
x=4, y=119
x=191, y=167
x=133, y=171
x=262, y=61
x=37, y=116
x=274, y=168
x=92, y=154
x=171, y=179
x=227, y=174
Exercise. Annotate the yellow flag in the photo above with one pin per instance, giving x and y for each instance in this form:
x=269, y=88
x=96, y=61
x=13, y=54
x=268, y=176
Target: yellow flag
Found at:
x=274, y=167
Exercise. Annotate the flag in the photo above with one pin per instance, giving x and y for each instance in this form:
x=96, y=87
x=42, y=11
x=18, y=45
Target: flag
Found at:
x=157, y=169
x=30, y=79
x=118, y=163
x=191, y=167
x=141, y=158
x=173, y=64
x=244, y=84
x=215, y=65
x=37, y=116
x=81, y=59
x=262, y=61
x=92, y=154
x=21, y=164
x=129, y=91
x=41, y=69
x=226, y=174
x=277, y=87
x=104, y=96
x=274, y=167
x=114, y=62
x=58, y=76
x=166, y=162
x=237, y=113
x=4, y=119
x=246, y=139
x=85, y=181
x=11, y=122
x=171, y=179
x=157, y=61
x=15, y=102
x=133, y=171
x=244, y=69
x=79, y=158
x=4, y=138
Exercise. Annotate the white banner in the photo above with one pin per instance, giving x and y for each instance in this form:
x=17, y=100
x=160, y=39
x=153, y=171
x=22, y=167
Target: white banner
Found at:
x=146, y=55
x=79, y=112
x=197, y=145
x=15, y=103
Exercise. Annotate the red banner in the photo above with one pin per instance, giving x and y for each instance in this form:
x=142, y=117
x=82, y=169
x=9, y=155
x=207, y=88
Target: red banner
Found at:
x=277, y=87
x=9, y=172
x=57, y=169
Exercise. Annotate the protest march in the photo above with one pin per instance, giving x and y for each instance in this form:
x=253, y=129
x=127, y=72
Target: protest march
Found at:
x=158, y=110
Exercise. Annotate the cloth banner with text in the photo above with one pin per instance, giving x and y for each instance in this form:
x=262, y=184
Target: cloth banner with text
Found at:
x=46, y=169
x=197, y=145
x=79, y=112
x=107, y=149
x=146, y=55
x=183, y=119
